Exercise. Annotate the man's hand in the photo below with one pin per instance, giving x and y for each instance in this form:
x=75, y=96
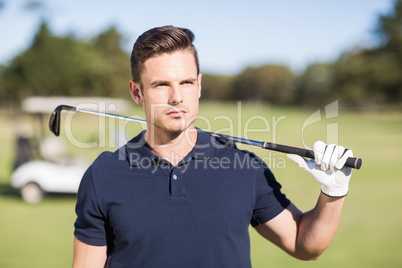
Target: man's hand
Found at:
x=328, y=168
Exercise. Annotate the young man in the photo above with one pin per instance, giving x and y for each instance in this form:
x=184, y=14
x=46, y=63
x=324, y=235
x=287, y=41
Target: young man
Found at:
x=175, y=196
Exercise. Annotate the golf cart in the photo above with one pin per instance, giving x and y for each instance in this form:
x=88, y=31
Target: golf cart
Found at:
x=41, y=164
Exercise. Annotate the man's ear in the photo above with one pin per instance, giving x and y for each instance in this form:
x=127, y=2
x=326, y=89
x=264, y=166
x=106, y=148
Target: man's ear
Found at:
x=136, y=93
x=199, y=85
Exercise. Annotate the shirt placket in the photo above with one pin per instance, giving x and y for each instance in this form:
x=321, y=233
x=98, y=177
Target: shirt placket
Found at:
x=177, y=183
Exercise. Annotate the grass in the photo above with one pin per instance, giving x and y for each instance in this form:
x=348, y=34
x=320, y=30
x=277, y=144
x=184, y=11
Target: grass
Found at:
x=369, y=233
x=36, y=236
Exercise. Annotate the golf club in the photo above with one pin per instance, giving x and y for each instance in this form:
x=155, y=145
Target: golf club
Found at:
x=54, y=125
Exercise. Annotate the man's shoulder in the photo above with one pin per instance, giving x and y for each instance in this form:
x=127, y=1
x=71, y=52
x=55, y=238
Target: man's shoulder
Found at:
x=120, y=155
x=227, y=148
x=108, y=159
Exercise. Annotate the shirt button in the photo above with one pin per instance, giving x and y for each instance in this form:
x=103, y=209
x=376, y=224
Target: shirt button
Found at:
x=174, y=177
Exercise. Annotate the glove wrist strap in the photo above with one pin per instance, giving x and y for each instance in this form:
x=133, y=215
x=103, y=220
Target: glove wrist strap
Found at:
x=334, y=196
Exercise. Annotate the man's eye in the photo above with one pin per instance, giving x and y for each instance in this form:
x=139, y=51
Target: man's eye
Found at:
x=161, y=85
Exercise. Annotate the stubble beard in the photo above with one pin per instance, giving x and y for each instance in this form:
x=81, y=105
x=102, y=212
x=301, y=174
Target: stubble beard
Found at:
x=172, y=130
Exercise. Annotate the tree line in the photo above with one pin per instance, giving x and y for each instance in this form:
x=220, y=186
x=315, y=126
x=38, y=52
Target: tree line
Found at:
x=359, y=78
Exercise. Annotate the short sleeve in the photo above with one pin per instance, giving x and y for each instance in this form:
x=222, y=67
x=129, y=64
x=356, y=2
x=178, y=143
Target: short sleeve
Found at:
x=269, y=200
x=90, y=223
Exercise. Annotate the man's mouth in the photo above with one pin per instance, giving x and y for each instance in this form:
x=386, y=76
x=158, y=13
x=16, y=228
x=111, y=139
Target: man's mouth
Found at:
x=176, y=113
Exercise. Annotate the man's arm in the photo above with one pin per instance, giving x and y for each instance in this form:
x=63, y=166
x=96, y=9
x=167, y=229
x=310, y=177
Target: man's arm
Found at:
x=88, y=256
x=307, y=235
x=304, y=235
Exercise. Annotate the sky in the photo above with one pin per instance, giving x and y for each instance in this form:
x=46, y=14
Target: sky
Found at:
x=230, y=35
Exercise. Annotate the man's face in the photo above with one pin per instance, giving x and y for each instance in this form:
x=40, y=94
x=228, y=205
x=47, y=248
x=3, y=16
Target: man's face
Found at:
x=170, y=92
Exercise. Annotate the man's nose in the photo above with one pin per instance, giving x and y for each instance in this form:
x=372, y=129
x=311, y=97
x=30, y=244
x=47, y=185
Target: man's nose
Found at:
x=176, y=95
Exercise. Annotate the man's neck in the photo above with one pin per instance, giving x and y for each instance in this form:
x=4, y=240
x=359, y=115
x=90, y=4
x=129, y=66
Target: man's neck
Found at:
x=172, y=147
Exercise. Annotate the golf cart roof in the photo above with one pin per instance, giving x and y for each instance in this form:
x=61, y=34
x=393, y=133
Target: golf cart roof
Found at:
x=44, y=105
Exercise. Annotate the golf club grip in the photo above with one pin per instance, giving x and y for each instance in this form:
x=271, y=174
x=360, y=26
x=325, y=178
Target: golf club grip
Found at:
x=351, y=162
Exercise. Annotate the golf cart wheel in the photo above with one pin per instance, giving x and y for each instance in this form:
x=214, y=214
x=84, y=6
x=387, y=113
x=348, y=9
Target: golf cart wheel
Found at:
x=32, y=193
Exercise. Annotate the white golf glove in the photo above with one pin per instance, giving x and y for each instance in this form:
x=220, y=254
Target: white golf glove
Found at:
x=328, y=168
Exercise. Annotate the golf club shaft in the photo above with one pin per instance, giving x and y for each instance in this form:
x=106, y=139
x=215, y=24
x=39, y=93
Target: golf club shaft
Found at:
x=54, y=125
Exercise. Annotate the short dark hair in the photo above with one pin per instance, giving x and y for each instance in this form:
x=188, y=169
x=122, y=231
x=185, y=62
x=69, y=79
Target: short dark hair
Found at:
x=159, y=40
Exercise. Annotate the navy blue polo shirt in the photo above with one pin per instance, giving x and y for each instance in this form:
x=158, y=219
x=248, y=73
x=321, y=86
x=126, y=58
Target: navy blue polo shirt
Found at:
x=152, y=214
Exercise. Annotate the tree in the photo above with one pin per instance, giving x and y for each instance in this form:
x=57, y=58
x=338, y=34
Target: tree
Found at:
x=267, y=83
x=369, y=77
x=314, y=85
x=2, y=4
x=389, y=29
x=108, y=44
x=65, y=66
x=216, y=87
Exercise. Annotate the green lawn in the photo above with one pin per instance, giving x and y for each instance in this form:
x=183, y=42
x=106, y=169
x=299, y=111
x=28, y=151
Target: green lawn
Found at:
x=369, y=234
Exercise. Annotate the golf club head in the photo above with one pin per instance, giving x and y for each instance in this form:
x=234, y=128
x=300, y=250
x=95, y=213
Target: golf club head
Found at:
x=54, y=121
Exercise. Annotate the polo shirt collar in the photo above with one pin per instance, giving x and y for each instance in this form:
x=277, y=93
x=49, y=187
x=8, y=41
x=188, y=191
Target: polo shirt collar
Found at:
x=204, y=147
x=139, y=152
